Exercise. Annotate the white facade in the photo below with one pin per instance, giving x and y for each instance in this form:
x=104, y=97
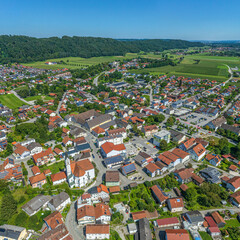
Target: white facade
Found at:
x=97, y=236
x=115, y=140
x=36, y=150
x=59, y=181
x=195, y=156
x=159, y=136
x=78, y=181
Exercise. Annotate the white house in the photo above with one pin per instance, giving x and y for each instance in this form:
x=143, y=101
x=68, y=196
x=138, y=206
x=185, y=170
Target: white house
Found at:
x=58, y=178
x=99, y=192
x=98, y=231
x=59, y=202
x=234, y=184
x=108, y=149
x=34, y=148
x=197, y=152
x=115, y=139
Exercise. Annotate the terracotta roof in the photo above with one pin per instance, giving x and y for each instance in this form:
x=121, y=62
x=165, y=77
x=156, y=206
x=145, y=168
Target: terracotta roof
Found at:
x=58, y=176
x=108, y=147
x=54, y=219
x=98, y=229
x=184, y=173
x=176, y=202
x=217, y=217
x=199, y=149
x=42, y=154
x=47, y=171
x=235, y=182
x=116, y=131
x=114, y=189
x=20, y=149
x=177, y=234
x=38, y=178
x=79, y=168
x=35, y=170
x=98, y=130
x=66, y=140
x=171, y=156
x=210, y=221
x=102, y=188
x=184, y=187
x=197, y=178
x=139, y=215
x=167, y=221
x=233, y=167
x=151, y=167
x=101, y=209
x=86, y=210
x=159, y=194
x=236, y=196
x=180, y=153
x=189, y=143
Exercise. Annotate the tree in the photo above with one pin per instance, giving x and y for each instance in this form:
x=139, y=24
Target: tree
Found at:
x=8, y=208
x=163, y=145
x=191, y=194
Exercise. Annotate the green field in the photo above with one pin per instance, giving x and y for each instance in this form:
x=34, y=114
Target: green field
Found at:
x=78, y=62
x=210, y=67
x=205, y=236
x=11, y=101
x=33, y=98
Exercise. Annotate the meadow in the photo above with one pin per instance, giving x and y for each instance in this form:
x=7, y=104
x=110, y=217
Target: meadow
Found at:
x=33, y=98
x=11, y=101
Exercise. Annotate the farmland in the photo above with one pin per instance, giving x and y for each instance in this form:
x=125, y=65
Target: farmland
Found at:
x=78, y=62
x=211, y=67
x=11, y=101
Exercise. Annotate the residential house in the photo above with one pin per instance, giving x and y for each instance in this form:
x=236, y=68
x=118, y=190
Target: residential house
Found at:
x=210, y=175
x=175, y=204
x=34, y=148
x=158, y=194
x=233, y=184
x=182, y=155
x=97, y=231
x=144, y=230
x=53, y=220
x=112, y=178
x=44, y=157
x=58, y=178
x=216, y=123
x=149, y=130
x=38, y=181
x=128, y=168
x=184, y=175
x=11, y=232
x=194, y=218
x=59, y=201
x=21, y=152
x=177, y=136
x=152, y=169
x=168, y=222
x=235, y=199
x=187, y=145
x=218, y=219
x=197, y=152
x=214, y=159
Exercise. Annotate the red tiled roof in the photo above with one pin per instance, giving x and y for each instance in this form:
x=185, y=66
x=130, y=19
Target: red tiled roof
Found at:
x=58, y=176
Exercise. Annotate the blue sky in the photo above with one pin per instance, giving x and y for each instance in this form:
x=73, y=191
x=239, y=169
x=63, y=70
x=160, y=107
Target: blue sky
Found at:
x=177, y=19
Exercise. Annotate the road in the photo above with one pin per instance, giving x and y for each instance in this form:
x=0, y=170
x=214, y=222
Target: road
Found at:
x=71, y=224
x=28, y=103
x=60, y=104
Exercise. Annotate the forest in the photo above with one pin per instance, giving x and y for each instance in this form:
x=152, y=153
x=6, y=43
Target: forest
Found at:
x=23, y=49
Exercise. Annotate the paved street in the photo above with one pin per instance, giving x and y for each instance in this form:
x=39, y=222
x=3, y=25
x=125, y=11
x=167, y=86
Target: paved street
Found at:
x=22, y=99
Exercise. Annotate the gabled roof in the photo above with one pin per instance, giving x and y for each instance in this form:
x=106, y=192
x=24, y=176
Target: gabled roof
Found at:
x=98, y=229
x=58, y=176
x=54, y=219
x=158, y=193
x=38, y=178
x=108, y=147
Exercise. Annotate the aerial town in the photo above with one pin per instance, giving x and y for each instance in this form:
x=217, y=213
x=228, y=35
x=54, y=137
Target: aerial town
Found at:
x=118, y=154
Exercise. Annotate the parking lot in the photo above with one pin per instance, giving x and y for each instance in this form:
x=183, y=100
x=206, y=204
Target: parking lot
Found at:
x=197, y=118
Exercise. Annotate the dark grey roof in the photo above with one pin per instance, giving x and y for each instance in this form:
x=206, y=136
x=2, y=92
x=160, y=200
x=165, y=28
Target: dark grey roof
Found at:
x=98, y=120
x=211, y=174
x=10, y=231
x=59, y=199
x=195, y=216
x=144, y=229
x=35, y=204
x=231, y=128
x=31, y=146
x=82, y=155
x=108, y=124
x=114, y=159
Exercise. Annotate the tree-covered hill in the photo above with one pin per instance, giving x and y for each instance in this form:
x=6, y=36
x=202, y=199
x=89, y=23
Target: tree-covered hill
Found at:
x=27, y=49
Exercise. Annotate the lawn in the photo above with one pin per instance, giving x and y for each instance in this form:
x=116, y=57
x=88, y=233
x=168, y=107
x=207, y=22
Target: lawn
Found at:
x=55, y=167
x=232, y=223
x=33, y=98
x=205, y=236
x=11, y=101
